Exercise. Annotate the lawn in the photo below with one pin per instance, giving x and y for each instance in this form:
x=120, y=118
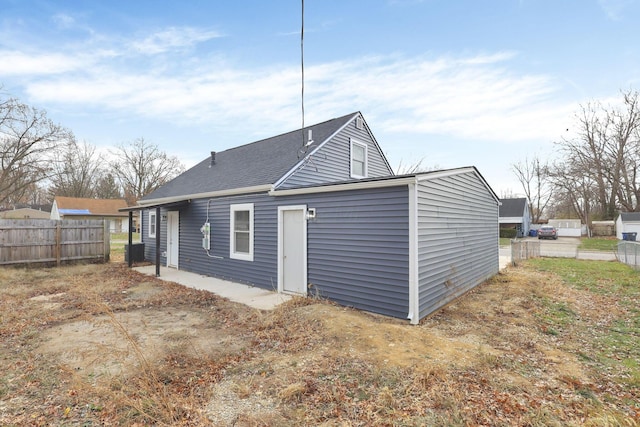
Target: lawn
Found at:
x=552, y=342
x=606, y=244
x=118, y=242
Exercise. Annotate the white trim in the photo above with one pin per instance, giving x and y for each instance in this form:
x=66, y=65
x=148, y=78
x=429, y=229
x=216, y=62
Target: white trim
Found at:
x=365, y=166
x=390, y=182
x=209, y=195
x=281, y=209
x=177, y=260
x=414, y=285
x=232, y=250
x=154, y=222
x=510, y=219
x=314, y=151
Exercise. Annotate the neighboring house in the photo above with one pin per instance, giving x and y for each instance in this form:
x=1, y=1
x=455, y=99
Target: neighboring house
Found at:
x=568, y=227
x=318, y=211
x=83, y=208
x=514, y=213
x=24, y=213
x=628, y=222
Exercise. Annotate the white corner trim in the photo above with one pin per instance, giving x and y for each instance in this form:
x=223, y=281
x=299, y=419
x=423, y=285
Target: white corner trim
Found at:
x=414, y=288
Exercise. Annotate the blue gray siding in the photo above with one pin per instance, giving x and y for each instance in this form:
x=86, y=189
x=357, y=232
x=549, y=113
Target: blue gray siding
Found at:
x=332, y=162
x=358, y=245
x=457, y=238
x=358, y=249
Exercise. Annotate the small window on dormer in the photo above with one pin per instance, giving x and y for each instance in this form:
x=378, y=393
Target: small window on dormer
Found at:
x=358, y=159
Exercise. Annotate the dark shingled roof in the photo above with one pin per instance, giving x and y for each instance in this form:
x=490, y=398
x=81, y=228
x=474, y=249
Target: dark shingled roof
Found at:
x=630, y=216
x=262, y=162
x=512, y=207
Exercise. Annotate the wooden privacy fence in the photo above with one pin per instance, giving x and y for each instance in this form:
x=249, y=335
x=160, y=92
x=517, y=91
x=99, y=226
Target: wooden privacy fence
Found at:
x=26, y=241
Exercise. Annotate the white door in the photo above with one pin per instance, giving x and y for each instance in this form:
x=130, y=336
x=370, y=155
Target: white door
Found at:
x=173, y=227
x=292, y=249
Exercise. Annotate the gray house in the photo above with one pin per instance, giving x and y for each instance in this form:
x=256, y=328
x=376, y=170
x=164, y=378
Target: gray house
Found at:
x=319, y=211
x=514, y=213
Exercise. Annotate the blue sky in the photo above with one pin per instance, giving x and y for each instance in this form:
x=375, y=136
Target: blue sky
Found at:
x=455, y=83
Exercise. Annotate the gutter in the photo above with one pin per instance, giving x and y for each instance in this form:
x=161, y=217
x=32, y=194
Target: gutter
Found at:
x=207, y=195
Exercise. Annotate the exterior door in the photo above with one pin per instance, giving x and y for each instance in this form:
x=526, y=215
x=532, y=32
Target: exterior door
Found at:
x=292, y=249
x=173, y=236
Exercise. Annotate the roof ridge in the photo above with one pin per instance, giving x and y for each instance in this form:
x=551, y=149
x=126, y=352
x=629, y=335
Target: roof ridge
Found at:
x=288, y=133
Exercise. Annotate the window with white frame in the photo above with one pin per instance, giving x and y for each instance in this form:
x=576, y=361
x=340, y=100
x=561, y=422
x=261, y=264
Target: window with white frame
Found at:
x=152, y=224
x=241, y=232
x=358, y=159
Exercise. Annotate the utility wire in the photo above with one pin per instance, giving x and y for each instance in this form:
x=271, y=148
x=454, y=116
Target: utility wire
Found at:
x=302, y=69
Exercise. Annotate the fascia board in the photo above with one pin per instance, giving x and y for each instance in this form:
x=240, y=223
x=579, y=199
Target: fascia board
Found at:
x=392, y=182
x=208, y=195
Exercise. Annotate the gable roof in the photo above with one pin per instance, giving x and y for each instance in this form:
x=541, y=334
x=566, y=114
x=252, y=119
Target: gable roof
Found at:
x=630, y=216
x=513, y=207
x=252, y=165
x=83, y=206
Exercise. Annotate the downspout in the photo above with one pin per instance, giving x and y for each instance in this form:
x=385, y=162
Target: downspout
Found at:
x=414, y=289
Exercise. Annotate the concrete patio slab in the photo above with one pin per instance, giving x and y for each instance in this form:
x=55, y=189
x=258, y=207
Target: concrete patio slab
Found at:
x=249, y=295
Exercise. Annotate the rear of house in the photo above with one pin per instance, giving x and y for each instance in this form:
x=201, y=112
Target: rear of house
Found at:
x=345, y=229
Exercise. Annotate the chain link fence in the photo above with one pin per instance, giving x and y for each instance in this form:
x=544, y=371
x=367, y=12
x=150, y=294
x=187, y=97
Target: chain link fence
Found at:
x=629, y=253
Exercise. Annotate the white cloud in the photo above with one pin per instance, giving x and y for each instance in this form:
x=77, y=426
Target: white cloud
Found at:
x=21, y=63
x=63, y=21
x=615, y=9
x=173, y=38
x=471, y=96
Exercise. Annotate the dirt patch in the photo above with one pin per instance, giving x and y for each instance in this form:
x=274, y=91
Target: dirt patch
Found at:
x=116, y=344
x=45, y=300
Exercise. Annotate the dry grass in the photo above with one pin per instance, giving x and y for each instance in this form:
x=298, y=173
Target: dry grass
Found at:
x=526, y=348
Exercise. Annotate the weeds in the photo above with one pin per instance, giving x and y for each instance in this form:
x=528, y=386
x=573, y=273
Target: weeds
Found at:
x=553, y=342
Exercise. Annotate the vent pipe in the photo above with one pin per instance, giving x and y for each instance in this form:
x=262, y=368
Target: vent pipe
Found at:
x=213, y=158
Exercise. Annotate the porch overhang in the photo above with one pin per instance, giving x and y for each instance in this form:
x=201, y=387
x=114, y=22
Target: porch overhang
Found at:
x=157, y=207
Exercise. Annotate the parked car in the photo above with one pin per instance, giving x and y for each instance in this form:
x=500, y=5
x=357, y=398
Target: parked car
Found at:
x=547, y=232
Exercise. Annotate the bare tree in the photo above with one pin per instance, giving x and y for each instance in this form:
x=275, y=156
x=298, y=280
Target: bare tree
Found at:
x=606, y=154
x=28, y=140
x=77, y=171
x=416, y=167
x=574, y=189
x=142, y=167
x=534, y=177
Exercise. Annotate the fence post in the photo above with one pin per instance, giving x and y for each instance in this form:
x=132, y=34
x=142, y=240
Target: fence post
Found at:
x=106, y=239
x=58, y=243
